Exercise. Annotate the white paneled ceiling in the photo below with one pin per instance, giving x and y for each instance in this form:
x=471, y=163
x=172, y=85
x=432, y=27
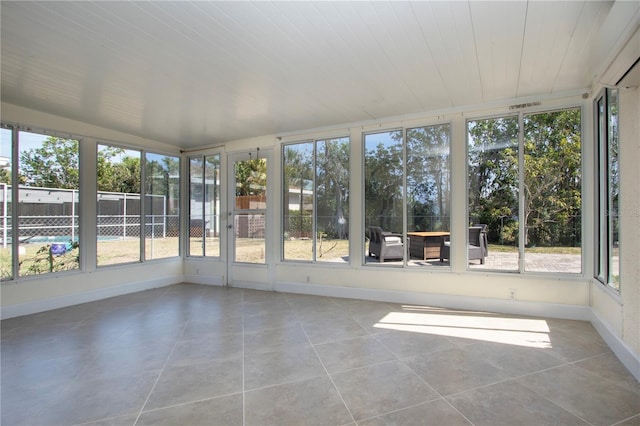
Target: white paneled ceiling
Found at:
x=198, y=73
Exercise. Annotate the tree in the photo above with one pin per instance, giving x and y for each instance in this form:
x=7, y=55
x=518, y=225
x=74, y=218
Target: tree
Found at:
x=117, y=176
x=552, y=177
x=493, y=176
x=552, y=162
x=54, y=165
x=332, y=184
x=383, y=181
x=251, y=177
x=428, y=178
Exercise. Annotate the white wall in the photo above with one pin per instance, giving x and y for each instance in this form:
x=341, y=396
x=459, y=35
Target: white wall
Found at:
x=620, y=313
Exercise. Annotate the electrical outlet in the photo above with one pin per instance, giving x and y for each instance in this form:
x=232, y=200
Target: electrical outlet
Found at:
x=513, y=294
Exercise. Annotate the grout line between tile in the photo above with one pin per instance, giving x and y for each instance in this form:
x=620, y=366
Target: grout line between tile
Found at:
x=164, y=366
x=244, y=406
x=333, y=383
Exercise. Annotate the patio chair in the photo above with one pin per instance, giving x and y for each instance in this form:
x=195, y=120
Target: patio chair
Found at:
x=385, y=245
x=483, y=236
x=477, y=245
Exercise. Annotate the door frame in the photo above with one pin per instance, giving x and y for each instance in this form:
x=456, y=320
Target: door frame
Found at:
x=241, y=274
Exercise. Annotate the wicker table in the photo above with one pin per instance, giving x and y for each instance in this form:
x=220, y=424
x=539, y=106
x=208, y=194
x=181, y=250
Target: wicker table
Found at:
x=426, y=245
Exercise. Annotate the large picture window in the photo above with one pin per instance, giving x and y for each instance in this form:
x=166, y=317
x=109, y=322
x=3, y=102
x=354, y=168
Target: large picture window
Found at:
x=416, y=159
x=607, y=190
x=47, y=228
x=525, y=192
x=316, y=200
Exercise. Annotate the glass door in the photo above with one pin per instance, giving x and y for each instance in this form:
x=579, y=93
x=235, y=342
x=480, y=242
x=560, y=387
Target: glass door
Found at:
x=248, y=219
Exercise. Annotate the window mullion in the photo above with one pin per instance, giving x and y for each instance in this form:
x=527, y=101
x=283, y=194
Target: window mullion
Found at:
x=143, y=204
x=522, y=223
x=314, y=216
x=15, y=205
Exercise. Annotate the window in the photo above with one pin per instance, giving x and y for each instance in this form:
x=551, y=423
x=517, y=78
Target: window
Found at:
x=493, y=187
x=204, y=206
x=421, y=165
x=525, y=191
x=162, y=206
x=384, y=194
x=118, y=197
x=607, y=190
x=316, y=200
x=553, y=192
x=47, y=228
x=428, y=192
x=6, y=245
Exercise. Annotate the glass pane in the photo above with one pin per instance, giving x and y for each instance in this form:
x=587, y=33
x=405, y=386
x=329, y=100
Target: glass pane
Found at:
x=383, y=196
x=212, y=205
x=48, y=194
x=613, y=210
x=250, y=210
x=298, y=196
x=553, y=198
x=602, y=193
x=196, y=207
x=118, y=200
x=332, y=200
x=6, y=236
x=428, y=192
x=162, y=206
x=493, y=194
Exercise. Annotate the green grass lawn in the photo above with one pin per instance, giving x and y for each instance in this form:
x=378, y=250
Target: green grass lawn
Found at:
x=35, y=259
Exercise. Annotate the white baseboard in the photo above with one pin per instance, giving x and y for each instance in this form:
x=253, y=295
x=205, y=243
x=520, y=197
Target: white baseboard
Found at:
x=622, y=351
x=37, y=306
x=539, y=309
x=251, y=285
x=216, y=280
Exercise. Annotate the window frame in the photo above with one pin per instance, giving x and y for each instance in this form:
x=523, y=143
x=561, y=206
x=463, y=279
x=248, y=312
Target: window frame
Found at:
x=218, y=185
x=404, y=130
x=604, y=211
x=520, y=115
x=346, y=139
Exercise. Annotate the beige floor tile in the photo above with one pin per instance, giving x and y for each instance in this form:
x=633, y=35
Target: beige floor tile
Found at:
x=181, y=384
x=333, y=329
x=226, y=410
x=434, y=413
x=272, y=368
x=269, y=321
x=609, y=367
x=405, y=344
x=353, y=353
x=205, y=349
x=309, y=402
x=456, y=370
x=584, y=394
x=381, y=388
x=515, y=360
x=278, y=339
x=634, y=421
x=510, y=404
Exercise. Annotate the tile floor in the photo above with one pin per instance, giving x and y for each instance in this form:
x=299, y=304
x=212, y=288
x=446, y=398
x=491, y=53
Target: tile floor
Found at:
x=199, y=355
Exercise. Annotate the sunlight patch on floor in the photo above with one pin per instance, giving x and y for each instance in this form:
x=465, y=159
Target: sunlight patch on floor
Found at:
x=512, y=331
